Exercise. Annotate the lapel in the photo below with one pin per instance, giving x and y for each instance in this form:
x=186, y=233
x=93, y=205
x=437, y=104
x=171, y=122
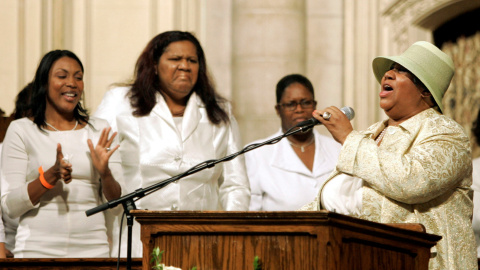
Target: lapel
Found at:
x=161, y=110
x=410, y=126
x=284, y=158
x=191, y=117
x=400, y=138
x=374, y=130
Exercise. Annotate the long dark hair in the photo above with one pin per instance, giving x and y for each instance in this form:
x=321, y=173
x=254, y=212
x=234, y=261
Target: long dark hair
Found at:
x=39, y=90
x=146, y=83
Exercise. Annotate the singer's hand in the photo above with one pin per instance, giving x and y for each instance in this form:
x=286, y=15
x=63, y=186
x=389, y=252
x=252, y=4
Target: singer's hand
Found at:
x=338, y=124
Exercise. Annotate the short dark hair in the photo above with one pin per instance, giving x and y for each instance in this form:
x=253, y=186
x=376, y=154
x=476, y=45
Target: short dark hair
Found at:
x=288, y=80
x=39, y=91
x=146, y=82
x=422, y=86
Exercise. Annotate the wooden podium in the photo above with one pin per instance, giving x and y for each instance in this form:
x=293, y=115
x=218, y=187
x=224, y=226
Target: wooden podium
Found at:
x=281, y=240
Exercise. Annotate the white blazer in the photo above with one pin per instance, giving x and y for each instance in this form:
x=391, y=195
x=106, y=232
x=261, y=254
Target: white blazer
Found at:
x=280, y=181
x=153, y=149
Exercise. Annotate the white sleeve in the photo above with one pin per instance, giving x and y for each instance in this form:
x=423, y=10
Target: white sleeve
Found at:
x=2, y=228
x=234, y=190
x=343, y=194
x=252, y=173
x=114, y=102
x=14, y=186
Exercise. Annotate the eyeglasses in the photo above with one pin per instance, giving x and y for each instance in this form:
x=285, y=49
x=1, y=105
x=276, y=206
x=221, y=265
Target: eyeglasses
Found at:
x=400, y=69
x=305, y=104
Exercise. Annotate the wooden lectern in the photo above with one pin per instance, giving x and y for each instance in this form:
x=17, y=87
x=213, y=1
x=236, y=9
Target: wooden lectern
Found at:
x=281, y=240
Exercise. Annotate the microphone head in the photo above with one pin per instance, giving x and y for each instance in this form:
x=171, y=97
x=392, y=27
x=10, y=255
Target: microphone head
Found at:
x=349, y=112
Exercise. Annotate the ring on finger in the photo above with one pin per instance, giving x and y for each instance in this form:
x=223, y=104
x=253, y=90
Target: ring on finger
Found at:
x=107, y=148
x=326, y=115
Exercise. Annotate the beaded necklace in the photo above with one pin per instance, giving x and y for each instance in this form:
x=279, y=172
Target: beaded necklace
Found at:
x=76, y=124
x=380, y=136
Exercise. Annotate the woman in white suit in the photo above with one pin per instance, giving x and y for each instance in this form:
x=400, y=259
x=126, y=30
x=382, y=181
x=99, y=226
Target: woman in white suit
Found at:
x=171, y=119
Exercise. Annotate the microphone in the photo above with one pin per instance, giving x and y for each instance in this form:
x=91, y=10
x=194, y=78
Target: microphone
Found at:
x=348, y=111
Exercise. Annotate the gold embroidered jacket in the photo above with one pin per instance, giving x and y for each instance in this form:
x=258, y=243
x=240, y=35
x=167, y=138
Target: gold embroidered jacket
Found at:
x=420, y=173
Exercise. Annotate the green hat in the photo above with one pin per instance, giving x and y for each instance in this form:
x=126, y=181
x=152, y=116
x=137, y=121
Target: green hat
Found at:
x=424, y=60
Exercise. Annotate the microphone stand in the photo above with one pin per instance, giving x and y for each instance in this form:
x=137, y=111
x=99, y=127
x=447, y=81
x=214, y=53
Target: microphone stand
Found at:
x=128, y=201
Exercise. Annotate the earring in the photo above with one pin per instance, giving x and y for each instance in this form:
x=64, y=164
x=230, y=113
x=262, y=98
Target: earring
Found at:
x=424, y=96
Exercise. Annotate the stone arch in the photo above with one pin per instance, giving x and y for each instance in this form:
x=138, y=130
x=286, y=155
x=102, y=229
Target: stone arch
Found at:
x=410, y=21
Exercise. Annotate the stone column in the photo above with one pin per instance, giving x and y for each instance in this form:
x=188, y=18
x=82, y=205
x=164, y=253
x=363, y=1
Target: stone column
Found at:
x=360, y=48
x=268, y=42
x=325, y=56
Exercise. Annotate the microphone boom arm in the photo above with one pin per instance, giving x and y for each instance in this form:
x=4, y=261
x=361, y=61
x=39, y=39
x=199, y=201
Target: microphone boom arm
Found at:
x=128, y=201
x=142, y=192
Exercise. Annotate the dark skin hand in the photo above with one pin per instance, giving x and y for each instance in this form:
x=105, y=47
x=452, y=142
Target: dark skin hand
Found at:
x=100, y=156
x=338, y=125
x=60, y=170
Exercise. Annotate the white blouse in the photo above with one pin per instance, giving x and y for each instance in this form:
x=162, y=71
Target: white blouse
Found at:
x=280, y=181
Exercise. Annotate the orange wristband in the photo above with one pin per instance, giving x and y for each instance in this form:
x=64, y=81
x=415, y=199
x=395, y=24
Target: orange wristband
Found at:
x=42, y=179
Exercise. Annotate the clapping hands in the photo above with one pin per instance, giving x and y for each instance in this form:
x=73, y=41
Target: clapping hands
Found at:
x=62, y=168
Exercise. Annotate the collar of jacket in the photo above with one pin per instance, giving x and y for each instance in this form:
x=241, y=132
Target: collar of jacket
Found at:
x=410, y=125
x=191, y=117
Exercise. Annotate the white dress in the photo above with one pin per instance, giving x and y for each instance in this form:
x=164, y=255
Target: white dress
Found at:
x=57, y=226
x=155, y=148
x=280, y=181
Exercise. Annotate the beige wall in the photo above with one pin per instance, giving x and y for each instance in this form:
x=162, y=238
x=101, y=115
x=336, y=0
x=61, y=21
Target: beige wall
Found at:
x=250, y=45
x=107, y=35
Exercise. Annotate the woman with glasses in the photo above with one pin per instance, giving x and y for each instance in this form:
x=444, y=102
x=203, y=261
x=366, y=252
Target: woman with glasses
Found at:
x=289, y=174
